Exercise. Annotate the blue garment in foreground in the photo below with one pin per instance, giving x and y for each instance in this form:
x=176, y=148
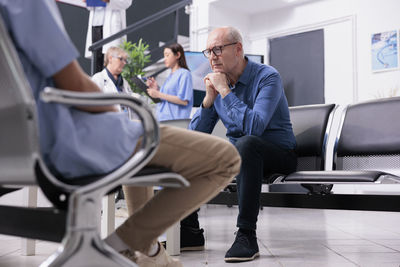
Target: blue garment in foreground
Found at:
x=73, y=143
x=256, y=106
x=179, y=83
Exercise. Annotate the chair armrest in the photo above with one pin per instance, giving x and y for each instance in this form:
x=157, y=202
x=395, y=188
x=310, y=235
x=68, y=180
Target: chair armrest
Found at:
x=137, y=161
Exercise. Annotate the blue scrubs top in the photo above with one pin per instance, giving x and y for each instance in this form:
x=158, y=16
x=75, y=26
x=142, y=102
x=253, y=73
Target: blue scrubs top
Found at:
x=256, y=106
x=73, y=143
x=178, y=83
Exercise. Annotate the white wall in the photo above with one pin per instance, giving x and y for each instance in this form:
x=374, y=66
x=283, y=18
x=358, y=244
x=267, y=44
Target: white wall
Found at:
x=348, y=25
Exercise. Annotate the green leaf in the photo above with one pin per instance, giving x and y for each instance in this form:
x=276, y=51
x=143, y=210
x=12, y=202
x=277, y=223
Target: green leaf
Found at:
x=137, y=59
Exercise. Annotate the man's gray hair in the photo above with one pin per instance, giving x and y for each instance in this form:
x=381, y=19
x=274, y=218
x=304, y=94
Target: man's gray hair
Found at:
x=234, y=35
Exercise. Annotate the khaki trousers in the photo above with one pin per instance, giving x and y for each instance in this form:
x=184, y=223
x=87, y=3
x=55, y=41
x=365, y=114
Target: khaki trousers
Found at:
x=209, y=163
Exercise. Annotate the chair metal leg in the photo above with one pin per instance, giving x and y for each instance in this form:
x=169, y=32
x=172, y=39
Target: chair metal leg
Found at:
x=108, y=215
x=174, y=239
x=82, y=245
x=86, y=249
x=29, y=199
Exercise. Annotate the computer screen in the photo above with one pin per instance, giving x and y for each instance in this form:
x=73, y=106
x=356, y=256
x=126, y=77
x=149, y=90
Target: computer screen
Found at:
x=200, y=67
x=256, y=58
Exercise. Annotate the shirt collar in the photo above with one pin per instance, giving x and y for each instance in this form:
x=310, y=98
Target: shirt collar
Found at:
x=245, y=77
x=118, y=83
x=110, y=76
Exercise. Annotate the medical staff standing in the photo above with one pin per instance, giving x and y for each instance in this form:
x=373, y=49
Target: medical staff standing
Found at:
x=110, y=79
x=105, y=21
x=176, y=93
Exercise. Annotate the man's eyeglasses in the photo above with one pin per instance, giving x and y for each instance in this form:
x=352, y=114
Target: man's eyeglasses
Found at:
x=217, y=50
x=125, y=60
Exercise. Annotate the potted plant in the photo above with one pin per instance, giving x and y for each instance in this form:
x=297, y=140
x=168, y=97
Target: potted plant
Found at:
x=138, y=57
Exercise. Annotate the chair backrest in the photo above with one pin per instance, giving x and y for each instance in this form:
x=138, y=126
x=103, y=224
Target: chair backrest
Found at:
x=18, y=134
x=369, y=136
x=311, y=125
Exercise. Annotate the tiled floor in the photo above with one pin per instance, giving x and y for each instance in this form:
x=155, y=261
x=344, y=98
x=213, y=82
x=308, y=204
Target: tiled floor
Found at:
x=287, y=237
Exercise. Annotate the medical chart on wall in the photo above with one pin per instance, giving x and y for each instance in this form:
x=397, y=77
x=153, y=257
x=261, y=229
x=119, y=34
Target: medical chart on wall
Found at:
x=384, y=51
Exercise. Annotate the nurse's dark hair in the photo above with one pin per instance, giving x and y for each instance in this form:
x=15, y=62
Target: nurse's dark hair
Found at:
x=177, y=48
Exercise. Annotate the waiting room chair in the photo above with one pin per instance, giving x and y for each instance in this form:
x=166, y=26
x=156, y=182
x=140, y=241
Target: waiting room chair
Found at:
x=311, y=125
x=366, y=152
x=77, y=203
x=367, y=147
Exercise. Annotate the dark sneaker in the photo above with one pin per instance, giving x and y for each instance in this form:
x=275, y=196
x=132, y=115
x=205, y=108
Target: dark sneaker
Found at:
x=244, y=248
x=192, y=239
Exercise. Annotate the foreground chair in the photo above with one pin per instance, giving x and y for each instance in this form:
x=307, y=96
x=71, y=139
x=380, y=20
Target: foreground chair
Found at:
x=75, y=217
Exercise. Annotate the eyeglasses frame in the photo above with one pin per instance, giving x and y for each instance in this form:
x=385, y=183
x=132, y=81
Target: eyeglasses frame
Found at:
x=219, y=47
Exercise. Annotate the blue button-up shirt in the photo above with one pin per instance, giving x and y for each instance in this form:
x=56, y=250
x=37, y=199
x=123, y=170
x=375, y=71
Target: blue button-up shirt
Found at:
x=255, y=106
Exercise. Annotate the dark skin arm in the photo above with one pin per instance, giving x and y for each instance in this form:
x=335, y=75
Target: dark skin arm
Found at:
x=73, y=78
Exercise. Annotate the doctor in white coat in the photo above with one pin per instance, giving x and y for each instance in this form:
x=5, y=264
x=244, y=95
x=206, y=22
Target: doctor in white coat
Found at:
x=104, y=22
x=110, y=79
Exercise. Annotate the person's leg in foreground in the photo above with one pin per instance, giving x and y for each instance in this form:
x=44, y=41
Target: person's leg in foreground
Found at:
x=259, y=158
x=207, y=162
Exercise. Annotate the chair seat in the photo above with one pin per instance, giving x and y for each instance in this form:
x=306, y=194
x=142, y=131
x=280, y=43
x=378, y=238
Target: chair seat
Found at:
x=36, y=223
x=334, y=177
x=5, y=190
x=84, y=180
x=152, y=171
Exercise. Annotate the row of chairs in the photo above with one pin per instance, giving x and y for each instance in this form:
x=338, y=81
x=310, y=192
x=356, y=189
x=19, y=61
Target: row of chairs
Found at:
x=366, y=151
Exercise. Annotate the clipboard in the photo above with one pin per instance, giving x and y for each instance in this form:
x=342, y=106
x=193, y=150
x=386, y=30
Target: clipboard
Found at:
x=143, y=87
x=94, y=3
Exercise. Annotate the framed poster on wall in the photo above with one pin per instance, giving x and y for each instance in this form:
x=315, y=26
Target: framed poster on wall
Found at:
x=384, y=51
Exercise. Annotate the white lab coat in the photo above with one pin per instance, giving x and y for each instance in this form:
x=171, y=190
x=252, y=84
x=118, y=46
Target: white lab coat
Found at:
x=114, y=21
x=107, y=86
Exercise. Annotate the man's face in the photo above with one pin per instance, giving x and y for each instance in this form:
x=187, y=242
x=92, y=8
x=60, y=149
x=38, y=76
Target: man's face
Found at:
x=228, y=57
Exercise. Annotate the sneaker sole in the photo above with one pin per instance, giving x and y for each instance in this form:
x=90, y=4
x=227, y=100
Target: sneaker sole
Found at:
x=198, y=248
x=239, y=259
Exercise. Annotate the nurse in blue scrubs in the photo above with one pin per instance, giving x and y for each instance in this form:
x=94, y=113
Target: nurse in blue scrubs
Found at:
x=176, y=93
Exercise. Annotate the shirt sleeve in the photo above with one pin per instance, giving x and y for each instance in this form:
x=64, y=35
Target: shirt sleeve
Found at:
x=204, y=120
x=185, y=86
x=254, y=121
x=32, y=22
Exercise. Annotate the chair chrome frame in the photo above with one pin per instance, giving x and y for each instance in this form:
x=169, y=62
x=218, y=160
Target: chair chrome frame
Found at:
x=20, y=161
x=82, y=243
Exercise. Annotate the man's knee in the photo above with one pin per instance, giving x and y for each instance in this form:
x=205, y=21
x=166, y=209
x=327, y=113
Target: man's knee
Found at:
x=246, y=145
x=232, y=158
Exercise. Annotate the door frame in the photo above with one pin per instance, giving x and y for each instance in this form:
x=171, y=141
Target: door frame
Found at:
x=316, y=26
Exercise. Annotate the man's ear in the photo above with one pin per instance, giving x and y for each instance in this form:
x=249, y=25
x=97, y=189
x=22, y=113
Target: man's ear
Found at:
x=239, y=48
